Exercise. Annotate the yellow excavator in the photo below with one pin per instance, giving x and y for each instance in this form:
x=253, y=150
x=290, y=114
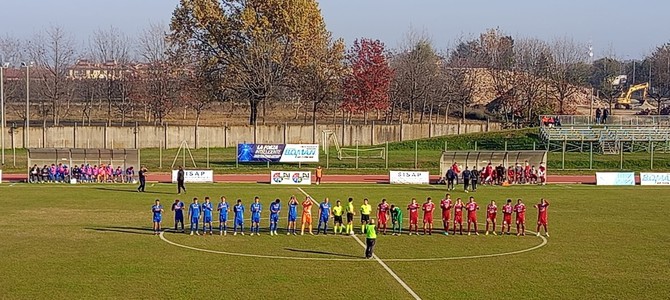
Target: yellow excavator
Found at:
x=624, y=100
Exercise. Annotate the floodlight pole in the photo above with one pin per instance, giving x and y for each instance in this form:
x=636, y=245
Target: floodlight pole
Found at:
x=2, y=110
x=27, y=127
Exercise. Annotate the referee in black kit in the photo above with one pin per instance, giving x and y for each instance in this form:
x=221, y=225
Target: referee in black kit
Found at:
x=180, y=180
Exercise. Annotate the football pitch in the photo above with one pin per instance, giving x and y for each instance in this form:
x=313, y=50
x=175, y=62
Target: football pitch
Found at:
x=95, y=241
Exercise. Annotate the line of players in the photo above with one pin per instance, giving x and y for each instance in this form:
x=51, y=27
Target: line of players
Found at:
x=385, y=211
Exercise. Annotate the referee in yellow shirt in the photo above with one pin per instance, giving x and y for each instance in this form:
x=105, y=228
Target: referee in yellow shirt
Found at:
x=350, y=217
x=337, y=212
x=366, y=209
x=370, y=239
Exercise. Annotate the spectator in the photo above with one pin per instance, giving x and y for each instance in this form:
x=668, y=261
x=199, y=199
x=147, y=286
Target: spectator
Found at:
x=45, y=174
x=34, y=174
x=130, y=174
x=52, y=173
x=606, y=113
x=118, y=175
x=598, y=114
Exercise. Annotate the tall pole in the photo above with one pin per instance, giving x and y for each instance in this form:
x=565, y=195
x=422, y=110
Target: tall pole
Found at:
x=2, y=109
x=27, y=127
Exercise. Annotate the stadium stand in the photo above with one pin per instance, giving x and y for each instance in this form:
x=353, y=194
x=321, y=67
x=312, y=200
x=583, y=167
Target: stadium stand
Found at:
x=618, y=133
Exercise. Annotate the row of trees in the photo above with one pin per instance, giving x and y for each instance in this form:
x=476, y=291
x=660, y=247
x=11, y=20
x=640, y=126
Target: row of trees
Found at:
x=279, y=52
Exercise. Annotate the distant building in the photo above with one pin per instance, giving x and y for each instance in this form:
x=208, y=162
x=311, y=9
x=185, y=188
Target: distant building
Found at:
x=86, y=69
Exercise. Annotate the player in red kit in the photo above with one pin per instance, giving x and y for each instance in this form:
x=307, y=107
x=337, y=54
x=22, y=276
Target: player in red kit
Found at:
x=542, y=174
x=428, y=209
x=382, y=215
x=472, y=208
x=507, y=210
x=520, y=210
x=413, y=216
x=491, y=212
x=458, y=215
x=542, y=216
x=446, y=205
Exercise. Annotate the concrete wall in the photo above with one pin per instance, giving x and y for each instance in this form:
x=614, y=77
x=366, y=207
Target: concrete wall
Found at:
x=172, y=136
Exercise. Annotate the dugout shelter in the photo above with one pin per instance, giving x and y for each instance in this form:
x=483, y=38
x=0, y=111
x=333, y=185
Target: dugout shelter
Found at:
x=479, y=159
x=115, y=157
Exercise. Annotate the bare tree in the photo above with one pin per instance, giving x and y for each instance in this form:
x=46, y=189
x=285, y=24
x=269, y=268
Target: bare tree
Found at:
x=159, y=88
x=53, y=51
x=533, y=59
x=416, y=70
x=319, y=79
x=659, y=61
x=497, y=52
x=110, y=49
x=569, y=70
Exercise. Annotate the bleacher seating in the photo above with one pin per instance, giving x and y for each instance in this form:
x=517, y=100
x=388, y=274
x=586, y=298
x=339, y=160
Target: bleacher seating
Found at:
x=609, y=136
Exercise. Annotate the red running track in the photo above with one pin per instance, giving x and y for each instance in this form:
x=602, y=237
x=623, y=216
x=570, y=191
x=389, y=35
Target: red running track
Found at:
x=265, y=178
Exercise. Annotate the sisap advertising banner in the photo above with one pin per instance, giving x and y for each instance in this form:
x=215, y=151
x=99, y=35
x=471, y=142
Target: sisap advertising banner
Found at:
x=655, y=179
x=409, y=177
x=195, y=176
x=291, y=177
x=0, y=176
x=278, y=153
x=615, y=178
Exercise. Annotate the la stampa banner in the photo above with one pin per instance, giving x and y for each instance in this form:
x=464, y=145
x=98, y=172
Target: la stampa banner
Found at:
x=278, y=153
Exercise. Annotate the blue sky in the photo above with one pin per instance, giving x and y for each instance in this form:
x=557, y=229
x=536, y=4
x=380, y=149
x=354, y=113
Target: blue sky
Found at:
x=627, y=29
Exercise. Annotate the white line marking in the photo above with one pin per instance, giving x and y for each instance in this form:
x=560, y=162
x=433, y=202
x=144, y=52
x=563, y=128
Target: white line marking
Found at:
x=384, y=265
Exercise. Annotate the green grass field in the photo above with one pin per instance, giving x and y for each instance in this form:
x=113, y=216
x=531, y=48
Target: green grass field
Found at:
x=71, y=242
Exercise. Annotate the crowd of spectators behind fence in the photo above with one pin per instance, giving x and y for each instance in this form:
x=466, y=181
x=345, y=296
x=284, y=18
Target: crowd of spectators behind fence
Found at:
x=62, y=173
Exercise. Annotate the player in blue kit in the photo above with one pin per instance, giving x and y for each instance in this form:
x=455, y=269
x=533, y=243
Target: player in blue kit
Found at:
x=157, y=210
x=207, y=209
x=223, y=216
x=178, y=208
x=324, y=215
x=275, y=208
x=238, y=210
x=256, y=209
x=194, y=213
x=292, y=215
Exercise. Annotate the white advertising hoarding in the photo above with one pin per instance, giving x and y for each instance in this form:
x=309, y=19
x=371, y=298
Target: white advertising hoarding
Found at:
x=655, y=179
x=409, y=177
x=615, y=178
x=291, y=177
x=195, y=176
x=300, y=153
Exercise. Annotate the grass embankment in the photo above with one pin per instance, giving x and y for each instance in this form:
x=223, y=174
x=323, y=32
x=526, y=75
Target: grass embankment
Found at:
x=401, y=155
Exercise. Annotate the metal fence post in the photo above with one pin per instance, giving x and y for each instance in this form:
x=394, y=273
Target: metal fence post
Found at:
x=237, y=159
x=651, y=151
x=591, y=156
x=475, y=145
x=416, y=154
x=386, y=156
x=160, y=155
x=356, y=154
x=505, y=146
x=563, y=156
x=621, y=155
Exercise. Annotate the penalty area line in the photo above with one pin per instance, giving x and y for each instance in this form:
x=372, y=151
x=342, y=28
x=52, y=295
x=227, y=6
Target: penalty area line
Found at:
x=382, y=263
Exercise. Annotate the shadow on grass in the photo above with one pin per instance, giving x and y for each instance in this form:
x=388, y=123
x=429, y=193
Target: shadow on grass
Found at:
x=320, y=252
x=131, y=191
x=119, y=229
